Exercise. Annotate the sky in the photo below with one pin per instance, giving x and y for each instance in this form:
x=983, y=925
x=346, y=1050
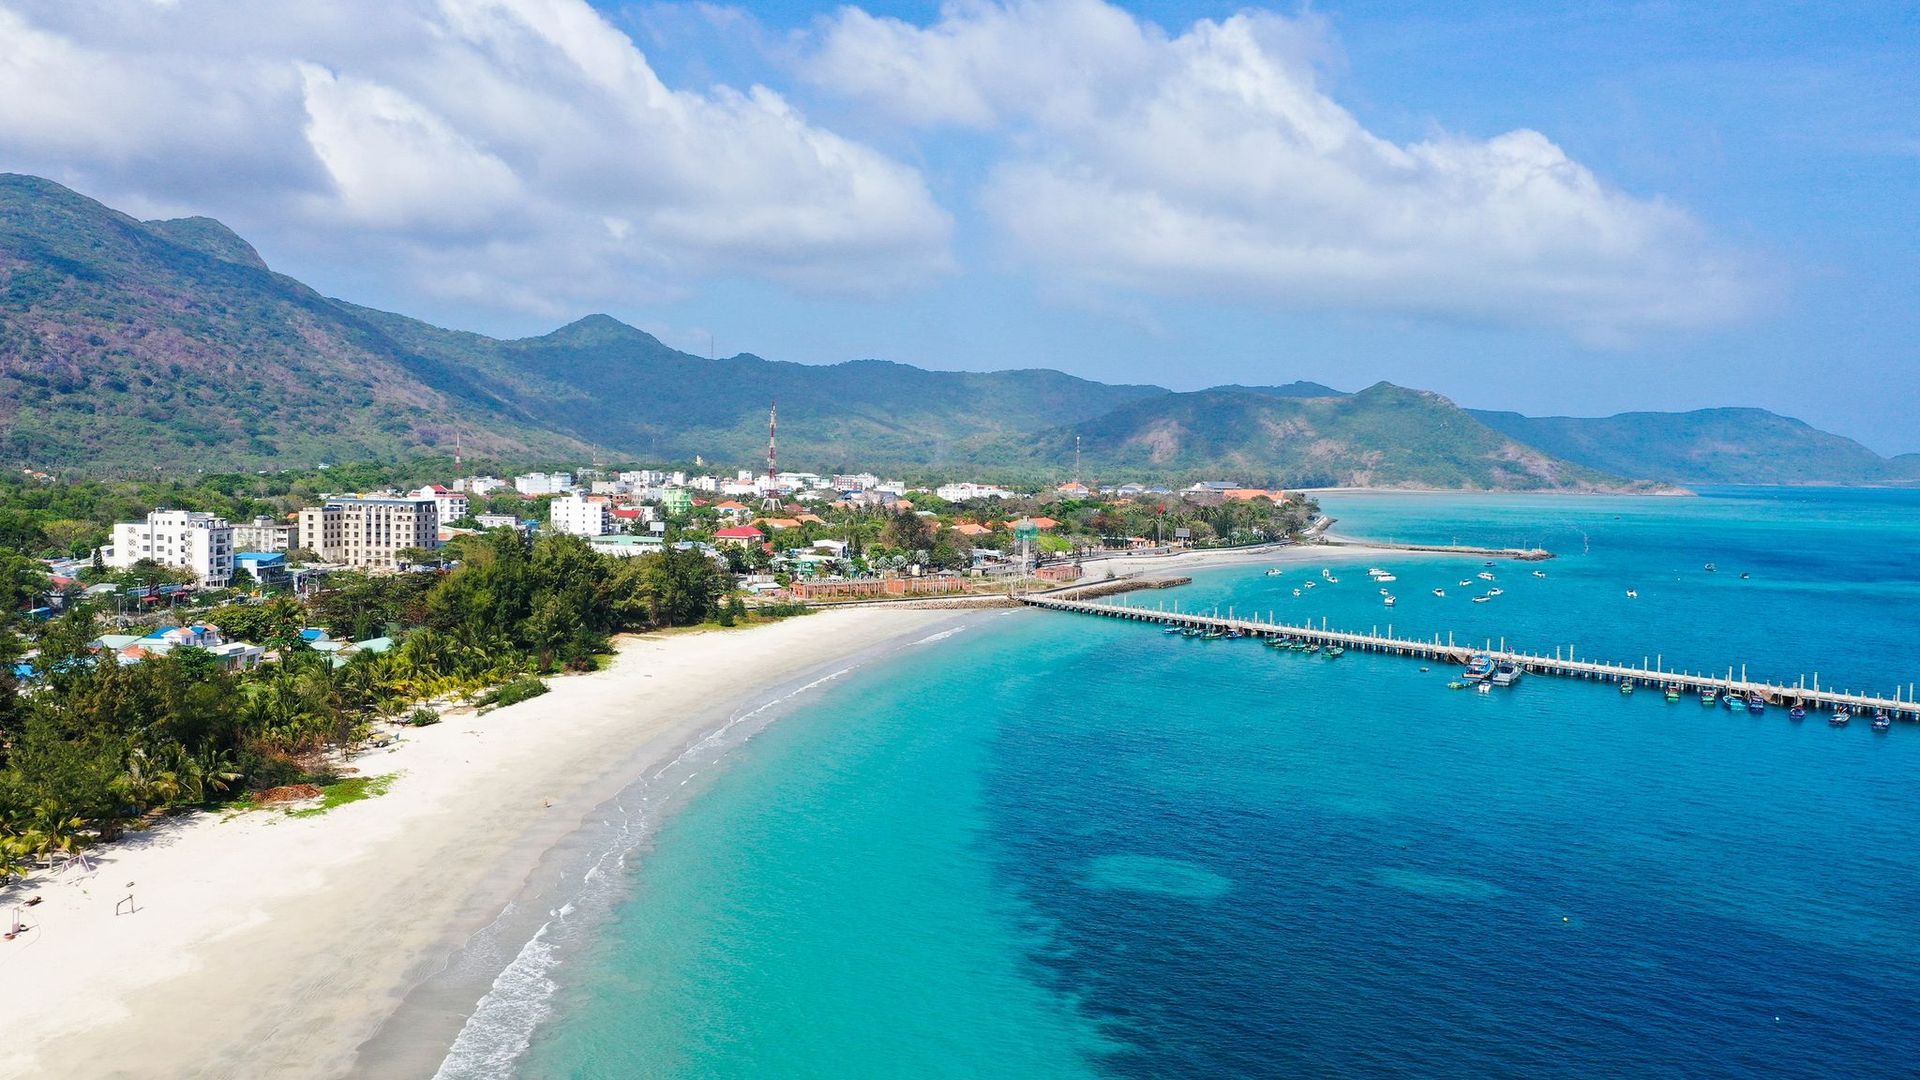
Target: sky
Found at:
x=1570, y=209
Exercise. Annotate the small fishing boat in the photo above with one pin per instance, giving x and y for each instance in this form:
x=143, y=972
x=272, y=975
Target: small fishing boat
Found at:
x=1731, y=699
x=1539, y=573
x=1371, y=570
x=1840, y=717
x=1387, y=600
x=1881, y=721
x=1296, y=592
x=1190, y=632
x=1674, y=692
x=1171, y=630
x=1633, y=594
x=1486, y=688
x=1756, y=702
x=1478, y=668
x=1386, y=592
x=1384, y=578
x=1331, y=580
x=1466, y=583
x=1273, y=571
x=1326, y=571
x=1308, y=585
x=1439, y=592
x=1746, y=576
x=1496, y=592
x=1485, y=576
x=1712, y=568
x=1314, y=647
x=1798, y=712
x=1481, y=599
x=1708, y=695
x=1235, y=633
x=1212, y=635
x=1335, y=652
x=1626, y=689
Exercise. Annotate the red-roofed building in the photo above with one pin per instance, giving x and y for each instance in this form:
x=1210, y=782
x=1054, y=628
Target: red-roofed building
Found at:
x=732, y=508
x=968, y=528
x=1044, y=523
x=1250, y=494
x=739, y=536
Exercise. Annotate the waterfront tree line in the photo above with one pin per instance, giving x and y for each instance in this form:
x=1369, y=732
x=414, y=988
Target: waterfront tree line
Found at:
x=90, y=746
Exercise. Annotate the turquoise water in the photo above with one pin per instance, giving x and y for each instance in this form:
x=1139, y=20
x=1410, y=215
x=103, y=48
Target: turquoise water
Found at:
x=1064, y=846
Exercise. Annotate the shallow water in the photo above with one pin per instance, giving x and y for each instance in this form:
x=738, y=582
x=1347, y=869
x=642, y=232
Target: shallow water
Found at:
x=1058, y=845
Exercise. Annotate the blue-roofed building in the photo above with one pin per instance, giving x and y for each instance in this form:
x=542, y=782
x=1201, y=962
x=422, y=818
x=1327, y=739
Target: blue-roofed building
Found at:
x=267, y=567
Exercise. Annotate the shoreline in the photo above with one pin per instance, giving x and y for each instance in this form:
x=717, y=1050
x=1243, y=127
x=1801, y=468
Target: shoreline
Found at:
x=265, y=944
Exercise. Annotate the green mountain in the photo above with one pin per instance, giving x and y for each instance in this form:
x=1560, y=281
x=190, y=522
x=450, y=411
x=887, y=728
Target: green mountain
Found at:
x=130, y=345
x=601, y=380
x=1383, y=436
x=1707, y=446
x=141, y=345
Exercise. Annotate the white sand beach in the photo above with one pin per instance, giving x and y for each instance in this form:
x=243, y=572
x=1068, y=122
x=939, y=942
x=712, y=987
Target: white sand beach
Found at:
x=264, y=945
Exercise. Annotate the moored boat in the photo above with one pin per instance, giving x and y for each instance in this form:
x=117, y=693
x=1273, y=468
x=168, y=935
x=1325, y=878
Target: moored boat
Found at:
x=1626, y=688
x=1439, y=592
x=1539, y=573
x=1708, y=695
x=1797, y=712
x=1840, y=717
x=1756, y=702
x=1496, y=592
x=1480, y=667
x=1506, y=673
x=1273, y=571
x=1481, y=599
x=1335, y=652
x=1485, y=575
x=1673, y=692
x=1881, y=721
x=1387, y=600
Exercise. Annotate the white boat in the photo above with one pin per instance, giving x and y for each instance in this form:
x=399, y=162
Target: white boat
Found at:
x=1375, y=570
x=1385, y=577
x=1466, y=582
x=1496, y=592
x=1386, y=592
x=1331, y=580
x=1326, y=572
x=1308, y=585
x=1273, y=571
x=1486, y=575
x=1481, y=599
x=1633, y=594
x=1539, y=573
x=1439, y=592
x=1387, y=601
x=1296, y=592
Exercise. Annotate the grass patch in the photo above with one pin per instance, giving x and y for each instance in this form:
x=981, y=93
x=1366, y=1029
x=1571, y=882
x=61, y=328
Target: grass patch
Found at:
x=349, y=790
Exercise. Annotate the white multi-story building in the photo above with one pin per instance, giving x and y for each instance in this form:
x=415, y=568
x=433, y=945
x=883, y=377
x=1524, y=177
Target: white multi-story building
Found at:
x=540, y=483
x=369, y=531
x=963, y=492
x=265, y=534
x=450, y=505
x=580, y=516
x=478, y=485
x=199, y=543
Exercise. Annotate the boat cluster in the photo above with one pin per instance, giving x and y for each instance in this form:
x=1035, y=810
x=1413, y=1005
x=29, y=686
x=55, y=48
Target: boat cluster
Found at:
x=1755, y=703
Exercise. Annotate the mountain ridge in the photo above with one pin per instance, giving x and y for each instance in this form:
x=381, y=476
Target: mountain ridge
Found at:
x=130, y=344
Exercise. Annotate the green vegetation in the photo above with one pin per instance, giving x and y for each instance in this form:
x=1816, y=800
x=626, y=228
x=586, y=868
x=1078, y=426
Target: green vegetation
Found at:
x=90, y=747
x=513, y=693
x=349, y=789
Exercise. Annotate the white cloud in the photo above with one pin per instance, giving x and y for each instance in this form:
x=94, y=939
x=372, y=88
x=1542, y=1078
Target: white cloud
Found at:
x=1213, y=163
x=514, y=152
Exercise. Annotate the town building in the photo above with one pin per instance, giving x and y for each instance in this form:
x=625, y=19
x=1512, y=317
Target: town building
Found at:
x=500, y=521
x=540, y=483
x=269, y=568
x=579, y=515
x=739, y=536
x=369, y=531
x=963, y=492
x=450, y=505
x=201, y=544
x=266, y=534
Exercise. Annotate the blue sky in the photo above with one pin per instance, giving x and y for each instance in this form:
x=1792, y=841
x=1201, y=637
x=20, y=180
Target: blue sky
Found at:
x=1714, y=204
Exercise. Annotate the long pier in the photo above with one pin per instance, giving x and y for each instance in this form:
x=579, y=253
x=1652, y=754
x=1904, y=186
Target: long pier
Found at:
x=1812, y=698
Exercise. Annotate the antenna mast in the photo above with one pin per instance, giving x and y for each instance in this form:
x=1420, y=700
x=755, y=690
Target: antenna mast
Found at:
x=773, y=417
x=1076, y=459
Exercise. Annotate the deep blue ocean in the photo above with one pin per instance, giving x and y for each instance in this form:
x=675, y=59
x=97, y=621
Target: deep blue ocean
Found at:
x=1054, y=846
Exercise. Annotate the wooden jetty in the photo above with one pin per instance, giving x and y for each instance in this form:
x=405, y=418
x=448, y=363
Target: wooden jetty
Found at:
x=1813, y=698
